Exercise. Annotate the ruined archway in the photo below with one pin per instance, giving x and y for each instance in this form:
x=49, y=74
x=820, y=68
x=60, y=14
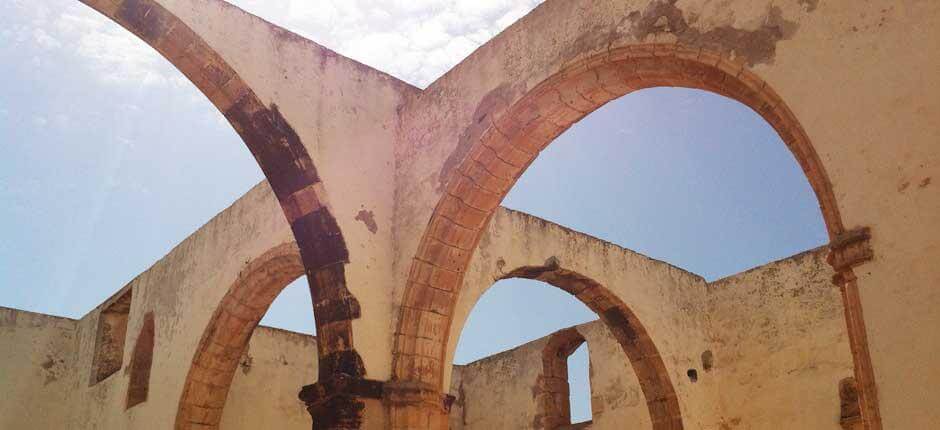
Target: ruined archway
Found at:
x=661, y=400
x=287, y=166
x=228, y=332
x=553, y=407
x=511, y=127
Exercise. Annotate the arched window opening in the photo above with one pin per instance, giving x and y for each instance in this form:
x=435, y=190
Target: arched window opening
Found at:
x=537, y=376
x=260, y=364
x=508, y=343
x=142, y=359
x=683, y=176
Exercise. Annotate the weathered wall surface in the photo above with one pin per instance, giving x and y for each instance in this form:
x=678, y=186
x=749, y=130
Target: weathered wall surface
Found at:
x=497, y=392
x=345, y=114
x=617, y=401
x=668, y=301
x=879, y=150
x=37, y=369
x=183, y=290
x=778, y=338
x=264, y=391
x=779, y=349
x=458, y=407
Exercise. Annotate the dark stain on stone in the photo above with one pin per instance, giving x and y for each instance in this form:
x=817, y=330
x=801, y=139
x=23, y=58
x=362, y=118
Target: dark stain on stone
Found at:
x=756, y=46
x=7, y=318
x=342, y=362
x=529, y=272
x=729, y=424
x=337, y=412
x=924, y=183
x=500, y=96
x=246, y=362
x=145, y=18
x=618, y=321
x=461, y=403
x=368, y=218
x=319, y=240
x=809, y=5
x=274, y=144
x=51, y=368
x=708, y=360
x=339, y=309
x=48, y=363
x=552, y=263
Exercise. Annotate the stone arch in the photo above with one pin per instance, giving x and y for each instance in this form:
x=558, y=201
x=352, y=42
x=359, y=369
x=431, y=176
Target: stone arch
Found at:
x=282, y=156
x=626, y=328
x=553, y=405
x=512, y=129
x=228, y=332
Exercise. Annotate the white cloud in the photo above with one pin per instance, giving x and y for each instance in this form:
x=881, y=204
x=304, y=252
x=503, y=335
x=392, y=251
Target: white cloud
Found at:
x=44, y=40
x=108, y=51
x=416, y=40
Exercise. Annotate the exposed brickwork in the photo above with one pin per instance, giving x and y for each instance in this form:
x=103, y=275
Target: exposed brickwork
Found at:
x=661, y=399
x=850, y=417
x=228, y=333
x=517, y=130
x=847, y=251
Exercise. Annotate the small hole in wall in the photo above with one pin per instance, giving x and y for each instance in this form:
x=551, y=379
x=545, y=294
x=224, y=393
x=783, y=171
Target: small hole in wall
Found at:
x=693, y=375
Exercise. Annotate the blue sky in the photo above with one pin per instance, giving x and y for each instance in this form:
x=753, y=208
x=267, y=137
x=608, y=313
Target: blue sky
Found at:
x=95, y=186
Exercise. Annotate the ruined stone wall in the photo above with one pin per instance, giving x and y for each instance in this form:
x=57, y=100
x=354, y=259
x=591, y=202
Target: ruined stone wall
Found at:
x=873, y=161
x=858, y=78
x=667, y=301
x=264, y=391
x=182, y=290
x=37, y=369
x=617, y=401
x=497, y=392
x=39, y=375
x=779, y=345
x=777, y=349
x=345, y=115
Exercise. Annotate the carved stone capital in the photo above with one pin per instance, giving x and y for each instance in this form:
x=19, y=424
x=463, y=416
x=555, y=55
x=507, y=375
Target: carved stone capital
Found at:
x=335, y=403
x=848, y=250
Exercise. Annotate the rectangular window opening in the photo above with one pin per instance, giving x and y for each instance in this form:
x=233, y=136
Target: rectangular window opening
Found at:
x=109, y=342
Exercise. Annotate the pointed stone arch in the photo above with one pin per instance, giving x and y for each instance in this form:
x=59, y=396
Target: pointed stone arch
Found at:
x=511, y=127
x=286, y=163
x=228, y=332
